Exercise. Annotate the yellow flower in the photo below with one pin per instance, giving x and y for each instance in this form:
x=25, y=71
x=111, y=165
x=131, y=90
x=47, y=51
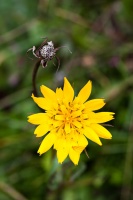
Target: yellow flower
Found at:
x=68, y=121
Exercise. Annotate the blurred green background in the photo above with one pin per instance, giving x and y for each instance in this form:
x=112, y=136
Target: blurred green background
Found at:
x=100, y=35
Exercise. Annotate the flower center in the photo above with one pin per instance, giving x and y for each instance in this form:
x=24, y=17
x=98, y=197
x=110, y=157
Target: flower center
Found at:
x=68, y=117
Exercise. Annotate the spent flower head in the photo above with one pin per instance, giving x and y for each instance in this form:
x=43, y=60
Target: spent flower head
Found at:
x=69, y=122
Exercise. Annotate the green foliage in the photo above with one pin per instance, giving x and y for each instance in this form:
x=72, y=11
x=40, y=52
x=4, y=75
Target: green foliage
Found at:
x=99, y=34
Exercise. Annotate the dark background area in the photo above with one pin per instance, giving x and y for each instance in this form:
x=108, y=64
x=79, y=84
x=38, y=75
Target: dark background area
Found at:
x=100, y=35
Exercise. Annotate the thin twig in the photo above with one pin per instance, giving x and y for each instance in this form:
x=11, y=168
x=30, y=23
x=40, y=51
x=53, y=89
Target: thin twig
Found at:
x=10, y=191
x=128, y=172
x=35, y=70
x=86, y=153
x=74, y=17
x=34, y=75
x=20, y=30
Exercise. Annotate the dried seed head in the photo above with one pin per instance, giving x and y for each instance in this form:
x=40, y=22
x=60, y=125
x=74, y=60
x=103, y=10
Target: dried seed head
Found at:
x=48, y=51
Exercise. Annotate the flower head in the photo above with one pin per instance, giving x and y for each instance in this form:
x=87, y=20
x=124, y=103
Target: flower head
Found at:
x=68, y=122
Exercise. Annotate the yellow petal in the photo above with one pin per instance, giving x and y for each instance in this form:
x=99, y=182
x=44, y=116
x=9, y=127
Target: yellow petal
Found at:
x=59, y=94
x=101, y=131
x=82, y=141
x=57, y=144
x=47, y=93
x=94, y=104
x=67, y=128
x=38, y=118
x=59, y=117
x=41, y=130
x=90, y=134
x=56, y=123
x=86, y=122
x=42, y=102
x=101, y=117
x=60, y=139
x=74, y=156
x=85, y=92
x=62, y=154
x=78, y=149
x=63, y=108
x=68, y=90
x=47, y=143
x=77, y=124
x=76, y=113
